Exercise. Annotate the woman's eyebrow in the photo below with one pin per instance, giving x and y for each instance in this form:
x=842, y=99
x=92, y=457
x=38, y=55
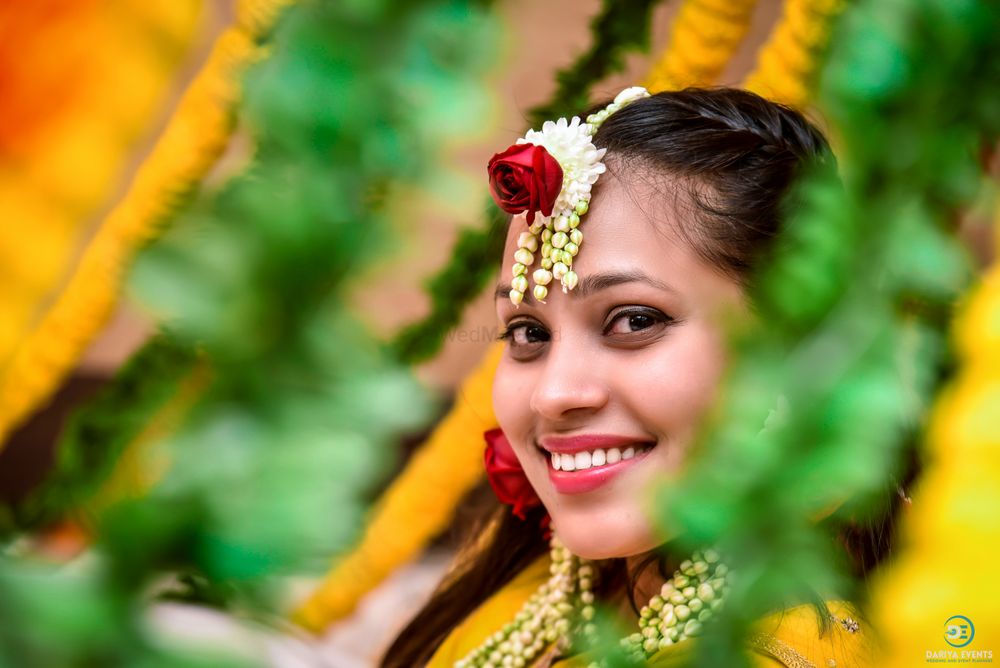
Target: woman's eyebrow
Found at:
x=597, y=282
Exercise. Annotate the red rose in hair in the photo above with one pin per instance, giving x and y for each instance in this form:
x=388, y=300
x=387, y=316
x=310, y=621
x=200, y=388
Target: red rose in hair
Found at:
x=525, y=177
x=506, y=475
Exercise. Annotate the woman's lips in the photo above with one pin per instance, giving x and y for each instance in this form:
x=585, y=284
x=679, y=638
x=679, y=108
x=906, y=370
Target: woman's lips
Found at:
x=589, y=442
x=589, y=479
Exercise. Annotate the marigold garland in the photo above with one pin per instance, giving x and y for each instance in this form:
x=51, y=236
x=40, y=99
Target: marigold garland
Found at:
x=703, y=39
x=953, y=531
x=80, y=87
x=787, y=62
x=189, y=145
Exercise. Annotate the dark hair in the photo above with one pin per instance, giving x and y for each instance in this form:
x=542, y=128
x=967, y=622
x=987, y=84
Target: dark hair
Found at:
x=732, y=153
x=736, y=155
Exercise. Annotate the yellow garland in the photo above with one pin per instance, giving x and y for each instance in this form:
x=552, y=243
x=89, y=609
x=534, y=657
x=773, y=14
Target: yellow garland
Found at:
x=421, y=501
x=81, y=84
x=418, y=505
x=948, y=563
x=193, y=139
x=703, y=39
x=787, y=62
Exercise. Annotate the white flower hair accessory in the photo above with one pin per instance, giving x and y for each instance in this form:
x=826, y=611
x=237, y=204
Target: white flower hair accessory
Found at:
x=551, y=171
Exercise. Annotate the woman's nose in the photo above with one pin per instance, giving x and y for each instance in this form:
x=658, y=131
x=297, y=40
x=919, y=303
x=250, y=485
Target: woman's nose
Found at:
x=570, y=380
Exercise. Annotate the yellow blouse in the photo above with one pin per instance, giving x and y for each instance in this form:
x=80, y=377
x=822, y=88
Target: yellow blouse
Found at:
x=790, y=638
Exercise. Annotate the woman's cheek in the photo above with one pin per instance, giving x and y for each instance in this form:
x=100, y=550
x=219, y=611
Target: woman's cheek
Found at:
x=510, y=407
x=678, y=382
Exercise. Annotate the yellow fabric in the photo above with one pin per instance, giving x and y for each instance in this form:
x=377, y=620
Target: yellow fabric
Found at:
x=787, y=62
x=951, y=536
x=703, y=39
x=491, y=615
x=795, y=631
x=798, y=631
x=94, y=74
x=419, y=504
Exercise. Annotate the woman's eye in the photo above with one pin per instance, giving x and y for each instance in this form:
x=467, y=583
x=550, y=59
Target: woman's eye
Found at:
x=628, y=322
x=525, y=334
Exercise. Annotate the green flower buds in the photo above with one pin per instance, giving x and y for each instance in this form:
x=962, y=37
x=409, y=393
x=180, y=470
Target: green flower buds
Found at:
x=528, y=240
x=692, y=628
x=525, y=256
x=706, y=592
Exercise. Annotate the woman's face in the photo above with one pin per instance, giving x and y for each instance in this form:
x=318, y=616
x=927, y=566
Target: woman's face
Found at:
x=619, y=370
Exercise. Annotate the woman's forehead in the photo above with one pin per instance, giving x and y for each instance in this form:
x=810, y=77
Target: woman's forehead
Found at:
x=621, y=237
x=617, y=232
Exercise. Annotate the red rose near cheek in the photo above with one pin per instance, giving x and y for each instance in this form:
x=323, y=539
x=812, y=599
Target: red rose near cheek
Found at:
x=506, y=475
x=525, y=177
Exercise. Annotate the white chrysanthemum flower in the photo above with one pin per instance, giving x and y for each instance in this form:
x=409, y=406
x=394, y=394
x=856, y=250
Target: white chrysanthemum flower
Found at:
x=569, y=143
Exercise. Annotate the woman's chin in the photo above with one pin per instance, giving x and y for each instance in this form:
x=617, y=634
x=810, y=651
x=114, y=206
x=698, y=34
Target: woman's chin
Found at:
x=590, y=542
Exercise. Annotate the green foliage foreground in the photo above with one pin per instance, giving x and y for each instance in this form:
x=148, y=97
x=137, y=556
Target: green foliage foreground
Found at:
x=852, y=311
x=272, y=469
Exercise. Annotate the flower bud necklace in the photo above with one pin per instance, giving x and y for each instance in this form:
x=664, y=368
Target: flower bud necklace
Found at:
x=563, y=608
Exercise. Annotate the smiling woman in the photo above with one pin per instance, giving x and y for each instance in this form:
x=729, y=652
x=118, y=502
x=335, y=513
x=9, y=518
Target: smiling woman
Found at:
x=611, y=363
x=624, y=364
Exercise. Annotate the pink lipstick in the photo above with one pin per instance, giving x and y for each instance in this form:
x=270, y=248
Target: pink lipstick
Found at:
x=583, y=463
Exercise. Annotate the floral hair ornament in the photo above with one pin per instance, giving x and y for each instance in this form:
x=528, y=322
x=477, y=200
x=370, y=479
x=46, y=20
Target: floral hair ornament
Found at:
x=551, y=172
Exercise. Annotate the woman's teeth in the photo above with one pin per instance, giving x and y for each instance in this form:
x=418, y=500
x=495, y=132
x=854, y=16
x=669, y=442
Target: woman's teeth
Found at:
x=579, y=461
